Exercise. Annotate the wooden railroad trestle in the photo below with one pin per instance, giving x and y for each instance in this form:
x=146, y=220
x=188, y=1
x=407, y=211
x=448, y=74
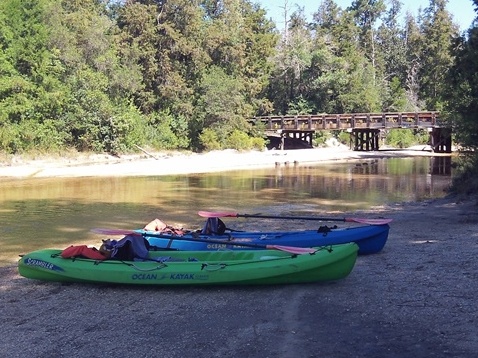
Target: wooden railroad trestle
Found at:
x=364, y=128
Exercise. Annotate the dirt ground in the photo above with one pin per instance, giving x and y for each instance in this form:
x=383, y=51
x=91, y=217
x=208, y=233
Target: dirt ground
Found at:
x=416, y=298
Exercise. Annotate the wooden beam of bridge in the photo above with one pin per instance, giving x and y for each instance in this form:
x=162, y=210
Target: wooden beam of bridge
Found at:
x=318, y=122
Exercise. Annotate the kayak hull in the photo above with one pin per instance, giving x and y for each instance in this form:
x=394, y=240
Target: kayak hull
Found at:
x=370, y=239
x=240, y=267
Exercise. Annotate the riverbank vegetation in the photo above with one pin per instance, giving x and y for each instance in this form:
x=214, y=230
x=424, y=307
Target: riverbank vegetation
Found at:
x=111, y=75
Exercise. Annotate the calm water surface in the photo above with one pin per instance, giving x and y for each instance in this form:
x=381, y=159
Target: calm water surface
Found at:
x=40, y=213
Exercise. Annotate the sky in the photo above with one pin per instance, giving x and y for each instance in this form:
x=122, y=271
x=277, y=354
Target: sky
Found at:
x=462, y=10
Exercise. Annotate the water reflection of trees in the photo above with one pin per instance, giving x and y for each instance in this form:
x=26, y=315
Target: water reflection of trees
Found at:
x=411, y=180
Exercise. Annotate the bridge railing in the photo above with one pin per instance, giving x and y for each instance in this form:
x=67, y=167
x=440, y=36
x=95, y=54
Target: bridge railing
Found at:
x=319, y=122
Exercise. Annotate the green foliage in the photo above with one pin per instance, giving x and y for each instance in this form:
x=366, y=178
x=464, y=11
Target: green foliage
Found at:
x=465, y=178
x=238, y=140
x=422, y=136
x=396, y=98
x=320, y=138
x=461, y=106
x=299, y=106
x=180, y=74
x=401, y=138
x=392, y=45
x=291, y=62
x=257, y=143
x=360, y=95
x=32, y=136
x=344, y=137
x=366, y=13
x=209, y=139
x=221, y=99
x=438, y=32
x=165, y=131
x=31, y=94
x=462, y=93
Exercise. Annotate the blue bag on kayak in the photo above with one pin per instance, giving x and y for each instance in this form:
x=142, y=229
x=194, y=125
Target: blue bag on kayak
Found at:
x=129, y=248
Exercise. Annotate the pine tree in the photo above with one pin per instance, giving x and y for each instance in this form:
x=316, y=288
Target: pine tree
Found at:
x=438, y=33
x=391, y=48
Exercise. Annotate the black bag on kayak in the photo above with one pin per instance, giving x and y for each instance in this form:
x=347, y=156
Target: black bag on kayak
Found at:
x=214, y=226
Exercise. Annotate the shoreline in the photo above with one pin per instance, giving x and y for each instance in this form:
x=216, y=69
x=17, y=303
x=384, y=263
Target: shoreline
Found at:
x=156, y=164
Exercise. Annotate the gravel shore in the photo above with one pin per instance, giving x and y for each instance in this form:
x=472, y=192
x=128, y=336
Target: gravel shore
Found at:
x=417, y=298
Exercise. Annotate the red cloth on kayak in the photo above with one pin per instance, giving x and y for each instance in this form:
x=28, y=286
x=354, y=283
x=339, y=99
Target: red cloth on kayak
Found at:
x=82, y=251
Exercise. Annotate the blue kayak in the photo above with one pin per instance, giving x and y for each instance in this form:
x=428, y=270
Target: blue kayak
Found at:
x=369, y=238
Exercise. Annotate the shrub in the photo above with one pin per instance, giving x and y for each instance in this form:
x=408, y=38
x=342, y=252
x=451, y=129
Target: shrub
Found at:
x=238, y=140
x=208, y=139
x=165, y=131
x=401, y=138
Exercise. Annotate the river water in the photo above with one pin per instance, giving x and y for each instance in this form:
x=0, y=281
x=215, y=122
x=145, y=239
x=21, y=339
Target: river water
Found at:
x=41, y=213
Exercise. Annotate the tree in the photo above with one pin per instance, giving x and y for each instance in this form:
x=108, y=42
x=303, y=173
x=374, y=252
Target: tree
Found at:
x=32, y=96
x=291, y=61
x=414, y=40
x=220, y=104
x=461, y=106
x=260, y=39
x=167, y=38
x=342, y=77
x=327, y=16
x=437, y=58
x=366, y=14
x=101, y=79
x=241, y=41
x=462, y=91
x=181, y=45
x=391, y=46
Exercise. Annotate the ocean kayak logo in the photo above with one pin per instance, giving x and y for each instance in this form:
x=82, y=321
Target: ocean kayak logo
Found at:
x=183, y=276
x=169, y=276
x=43, y=264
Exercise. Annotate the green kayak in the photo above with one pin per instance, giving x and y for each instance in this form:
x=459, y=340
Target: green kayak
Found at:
x=196, y=267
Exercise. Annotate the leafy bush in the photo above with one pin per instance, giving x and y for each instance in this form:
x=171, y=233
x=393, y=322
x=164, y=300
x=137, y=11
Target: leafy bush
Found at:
x=422, y=136
x=165, y=131
x=10, y=141
x=401, y=138
x=465, y=179
x=344, y=137
x=258, y=143
x=238, y=140
x=320, y=138
x=209, y=140
x=31, y=136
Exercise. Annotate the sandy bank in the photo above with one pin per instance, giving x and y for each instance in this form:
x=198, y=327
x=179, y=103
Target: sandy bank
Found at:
x=177, y=163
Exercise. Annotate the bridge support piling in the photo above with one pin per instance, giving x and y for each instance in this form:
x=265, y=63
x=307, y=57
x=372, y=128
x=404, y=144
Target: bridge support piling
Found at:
x=365, y=139
x=304, y=136
x=440, y=140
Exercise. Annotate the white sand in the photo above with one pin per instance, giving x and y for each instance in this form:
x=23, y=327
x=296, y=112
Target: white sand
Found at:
x=185, y=163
